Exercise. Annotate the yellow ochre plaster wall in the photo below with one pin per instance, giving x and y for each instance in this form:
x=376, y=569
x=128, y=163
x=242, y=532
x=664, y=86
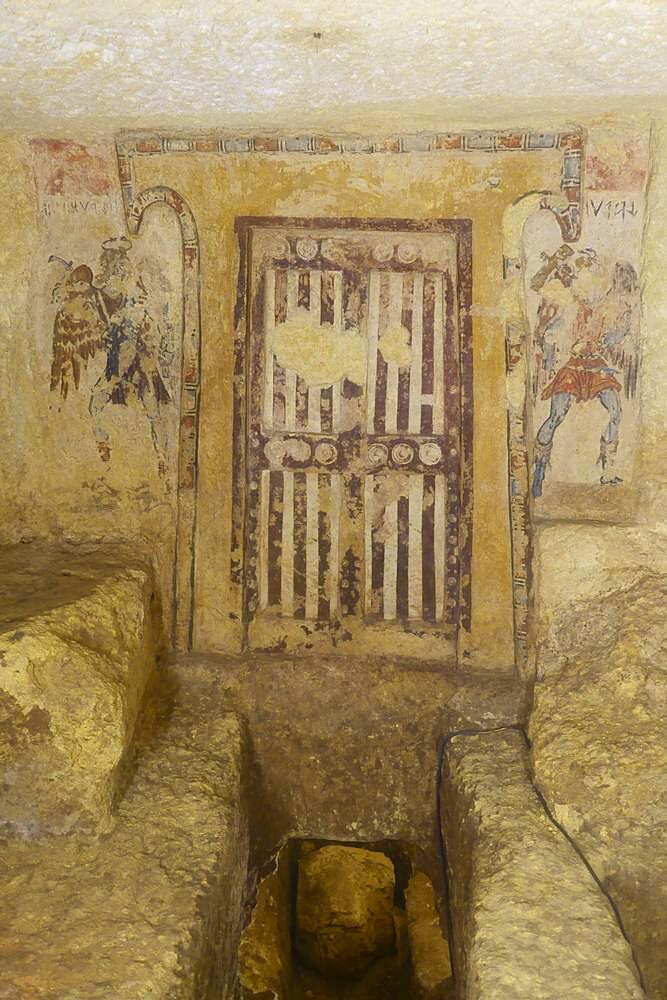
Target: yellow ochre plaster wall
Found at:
x=577, y=561
x=41, y=494
x=419, y=186
x=19, y=433
x=54, y=484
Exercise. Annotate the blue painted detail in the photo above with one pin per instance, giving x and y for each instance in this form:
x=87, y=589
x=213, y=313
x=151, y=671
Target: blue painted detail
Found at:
x=298, y=144
x=238, y=146
x=541, y=140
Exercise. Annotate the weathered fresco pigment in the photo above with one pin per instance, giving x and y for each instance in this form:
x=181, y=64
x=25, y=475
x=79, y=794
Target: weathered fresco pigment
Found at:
x=93, y=335
x=132, y=339
x=582, y=302
x=359, y=431
x=452, y=176
x=333, y=466
x=150, y=311
x=541, y=563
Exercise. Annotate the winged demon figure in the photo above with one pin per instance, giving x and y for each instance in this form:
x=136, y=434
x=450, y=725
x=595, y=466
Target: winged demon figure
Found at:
x=586, y=343
x=111, y=312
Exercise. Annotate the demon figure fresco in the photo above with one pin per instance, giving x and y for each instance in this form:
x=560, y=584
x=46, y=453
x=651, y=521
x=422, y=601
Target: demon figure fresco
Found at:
x=586, y=348
x=110, y=313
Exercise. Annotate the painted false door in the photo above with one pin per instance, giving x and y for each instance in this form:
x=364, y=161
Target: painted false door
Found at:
x=353, y=525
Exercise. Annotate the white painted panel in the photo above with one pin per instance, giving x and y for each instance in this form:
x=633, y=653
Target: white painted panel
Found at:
x=269, y=324
x=373, y=328
x=287, y=560
x=334, y=555
x=415, y=507
x=415, y=403
x=264, y=538
x=312, y=544
x=438, y=356
x=390, y=559
x=439, y=527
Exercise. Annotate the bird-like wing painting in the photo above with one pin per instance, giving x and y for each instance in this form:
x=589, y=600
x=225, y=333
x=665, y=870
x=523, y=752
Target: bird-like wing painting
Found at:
x=78, y=330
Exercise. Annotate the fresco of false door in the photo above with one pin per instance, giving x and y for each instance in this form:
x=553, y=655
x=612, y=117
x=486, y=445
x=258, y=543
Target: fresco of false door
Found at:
x=354, y=527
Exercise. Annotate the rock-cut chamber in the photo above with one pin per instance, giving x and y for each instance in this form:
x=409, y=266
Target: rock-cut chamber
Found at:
x=334, y=921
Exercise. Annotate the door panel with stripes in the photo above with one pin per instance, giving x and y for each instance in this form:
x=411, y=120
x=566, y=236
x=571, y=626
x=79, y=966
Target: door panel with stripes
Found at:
x=353, y=521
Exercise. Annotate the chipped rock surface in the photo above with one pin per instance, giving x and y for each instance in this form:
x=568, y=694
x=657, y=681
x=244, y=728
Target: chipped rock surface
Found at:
x=599, y=748
x=77, y=651
x=265, y=951
x=346, y=748
x=529, y=920
x=153, y=908
x=429, y=950
x=344, y=909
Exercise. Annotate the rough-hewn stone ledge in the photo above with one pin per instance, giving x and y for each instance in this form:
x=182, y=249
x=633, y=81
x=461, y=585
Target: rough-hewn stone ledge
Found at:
x=529, y=920
x=598, y=733
x=78, y=641
x=152, y=909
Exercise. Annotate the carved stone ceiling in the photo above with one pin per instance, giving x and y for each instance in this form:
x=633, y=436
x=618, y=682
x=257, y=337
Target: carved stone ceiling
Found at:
x=105, y=64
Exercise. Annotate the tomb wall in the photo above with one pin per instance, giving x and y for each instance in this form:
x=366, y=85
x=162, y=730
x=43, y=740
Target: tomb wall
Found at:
x=65, y=481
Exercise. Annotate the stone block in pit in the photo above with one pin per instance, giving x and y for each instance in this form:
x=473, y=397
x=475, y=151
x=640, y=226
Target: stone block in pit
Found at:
x=344, y=909
x=429, y=948
x=77, y=651
x=529, y=920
